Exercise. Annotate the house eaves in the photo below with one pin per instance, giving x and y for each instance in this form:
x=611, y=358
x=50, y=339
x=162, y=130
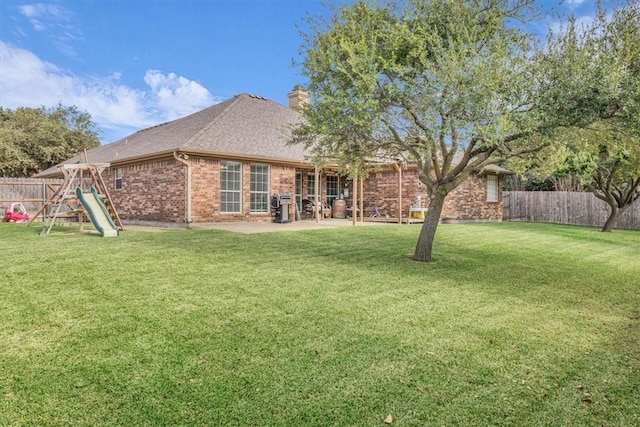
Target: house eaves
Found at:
x=164, y=155
x=246, y=158
x=246, y=127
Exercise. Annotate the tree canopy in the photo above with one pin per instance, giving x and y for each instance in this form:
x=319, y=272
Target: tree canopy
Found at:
x=34, y=139
x=598, y=65
x=450, y=85
x=440, y=83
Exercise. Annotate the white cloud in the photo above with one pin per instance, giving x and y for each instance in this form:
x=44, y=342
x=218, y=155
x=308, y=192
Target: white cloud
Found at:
x=41, y=15
x=175, y=95
x=27, y=81
x=58, y=23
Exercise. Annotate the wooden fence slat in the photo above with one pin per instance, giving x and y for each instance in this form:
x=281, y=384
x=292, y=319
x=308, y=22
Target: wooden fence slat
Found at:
x=565, y=207
x=31, y=192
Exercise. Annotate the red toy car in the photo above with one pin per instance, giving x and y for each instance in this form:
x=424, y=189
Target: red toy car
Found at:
x=16, y=213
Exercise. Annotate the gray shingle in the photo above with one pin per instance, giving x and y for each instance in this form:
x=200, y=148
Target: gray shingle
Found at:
x=245, y=125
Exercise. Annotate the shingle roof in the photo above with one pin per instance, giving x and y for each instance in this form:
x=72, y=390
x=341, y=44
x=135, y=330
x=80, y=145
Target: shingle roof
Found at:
x=243, y=126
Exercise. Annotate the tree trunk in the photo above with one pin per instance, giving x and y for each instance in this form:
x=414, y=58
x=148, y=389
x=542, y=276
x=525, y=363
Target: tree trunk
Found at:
x=428, y=230
x=612, y=220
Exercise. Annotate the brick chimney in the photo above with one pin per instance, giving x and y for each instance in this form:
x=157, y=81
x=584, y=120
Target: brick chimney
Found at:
x=298, y=98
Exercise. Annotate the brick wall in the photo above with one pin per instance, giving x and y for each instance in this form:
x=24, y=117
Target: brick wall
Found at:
x=155, y=191
x=283, y=179
x=205, y=184
x=151, y=191
x=467, y=201
x=381, y=190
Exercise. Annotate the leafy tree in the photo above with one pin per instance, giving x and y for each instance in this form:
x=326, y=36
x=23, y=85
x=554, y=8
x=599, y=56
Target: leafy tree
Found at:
x=34, y=139
x=452, y=85
x=440, y=83
x=591, y=73
x=615, y=178
x=605, y=161
x=598, y=65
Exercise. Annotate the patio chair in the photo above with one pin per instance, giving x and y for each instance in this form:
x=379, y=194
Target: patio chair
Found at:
x=307, y=208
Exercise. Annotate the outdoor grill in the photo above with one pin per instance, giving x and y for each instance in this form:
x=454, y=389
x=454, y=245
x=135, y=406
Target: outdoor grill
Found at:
x=280, y=202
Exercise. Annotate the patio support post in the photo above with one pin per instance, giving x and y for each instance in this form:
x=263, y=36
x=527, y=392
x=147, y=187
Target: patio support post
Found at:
x=398, y=169
x=316, y=202
x=354, y=204
x=362, y=199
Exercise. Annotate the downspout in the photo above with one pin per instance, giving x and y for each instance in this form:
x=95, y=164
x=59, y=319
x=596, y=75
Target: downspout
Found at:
x=188, y=184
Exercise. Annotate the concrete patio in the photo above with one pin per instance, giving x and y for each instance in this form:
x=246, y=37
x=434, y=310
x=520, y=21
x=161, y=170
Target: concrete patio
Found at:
x=272, y=227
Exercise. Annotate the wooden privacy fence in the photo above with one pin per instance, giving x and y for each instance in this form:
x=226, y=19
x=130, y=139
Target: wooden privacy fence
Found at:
x=31, y=192
x=564, y=207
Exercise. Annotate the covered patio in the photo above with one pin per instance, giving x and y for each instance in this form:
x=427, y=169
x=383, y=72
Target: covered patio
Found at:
x=338, y=201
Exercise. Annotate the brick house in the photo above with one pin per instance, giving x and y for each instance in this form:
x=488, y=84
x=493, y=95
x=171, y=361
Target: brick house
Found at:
x=223, y=164
x=478, y=198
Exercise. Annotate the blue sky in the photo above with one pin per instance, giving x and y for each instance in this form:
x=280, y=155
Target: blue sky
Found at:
x=136, y=63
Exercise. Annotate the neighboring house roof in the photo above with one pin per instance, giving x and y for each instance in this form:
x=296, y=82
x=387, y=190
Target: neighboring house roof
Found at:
x=245, y=126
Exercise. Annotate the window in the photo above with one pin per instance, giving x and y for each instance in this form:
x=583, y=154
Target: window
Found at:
x=299, y=190
x=311, y=186
x=117, y=178
x=230, y=187
x=332, y=188
x=259, y=191
x=492, y=188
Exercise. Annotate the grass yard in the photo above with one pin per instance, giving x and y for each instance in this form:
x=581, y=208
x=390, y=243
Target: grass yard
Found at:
x=513, y=324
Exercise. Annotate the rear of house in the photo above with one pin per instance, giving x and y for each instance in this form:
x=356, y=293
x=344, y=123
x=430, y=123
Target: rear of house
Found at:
x=224, y=163
x=478, y=198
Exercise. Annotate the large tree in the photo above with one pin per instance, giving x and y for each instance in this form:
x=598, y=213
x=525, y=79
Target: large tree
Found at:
x=612, y=170
x=34, y=139
x=451, y=85
x=600, y=159
x=597, y=66
x=442, y=83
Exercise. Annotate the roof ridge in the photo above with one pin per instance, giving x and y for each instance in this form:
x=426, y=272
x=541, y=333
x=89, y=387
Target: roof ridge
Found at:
x=157, y=125
x=232, y=101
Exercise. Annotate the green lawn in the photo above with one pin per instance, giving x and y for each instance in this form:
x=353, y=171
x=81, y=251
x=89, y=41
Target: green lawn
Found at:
x=513, y=324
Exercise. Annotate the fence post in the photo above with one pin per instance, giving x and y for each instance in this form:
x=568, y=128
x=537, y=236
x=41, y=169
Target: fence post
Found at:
x=506, y=213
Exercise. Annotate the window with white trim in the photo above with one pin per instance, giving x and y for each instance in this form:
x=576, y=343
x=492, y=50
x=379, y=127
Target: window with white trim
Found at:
x=311, y=186
x=492, y=188
x=259, y=188
x=117, y=178
x=230, y=187
x=299, y=190
x=332, y=188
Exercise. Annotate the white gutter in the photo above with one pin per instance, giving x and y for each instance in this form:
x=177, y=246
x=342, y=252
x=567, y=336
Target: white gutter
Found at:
x=188, y=165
